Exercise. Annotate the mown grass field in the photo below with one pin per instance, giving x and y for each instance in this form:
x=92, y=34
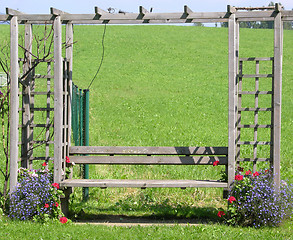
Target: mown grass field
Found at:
x=168, y=86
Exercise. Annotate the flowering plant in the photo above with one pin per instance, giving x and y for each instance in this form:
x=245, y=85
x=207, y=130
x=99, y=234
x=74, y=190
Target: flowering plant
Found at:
x=35, y=197
x=254, y=202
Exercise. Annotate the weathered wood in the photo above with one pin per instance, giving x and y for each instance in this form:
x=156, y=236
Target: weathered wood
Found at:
x=148, y=160
x=58, y=100
x=255, y=8
x=256, y=59
x=254, y=126
x=232, y=94
x=56, y=11
x=13, y=12
x=100, y=11
x=256, y=19
x=254, y=159
x=105, y=16
x=187, y=10
x=277, y=98
x=142, y=10
x=103, y=150
x=257, y=75
x=256, y=113
x=255, y=109
x=254, y=143
x=26, y=90
x=255, y=15
x=255, y=92
x=69, y=59
x=14, y=102
x=104, y=183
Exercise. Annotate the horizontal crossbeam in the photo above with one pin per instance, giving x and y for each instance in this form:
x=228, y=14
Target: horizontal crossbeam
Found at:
x=102, y=17
x=149, y=160
x=104, y=183
x=119, y=150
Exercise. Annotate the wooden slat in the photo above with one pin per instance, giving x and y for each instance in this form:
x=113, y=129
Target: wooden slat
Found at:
x=42, y=109
x=254, y=109
x=253, y=14
x=254, y=143
x=256, y=75
x=254, y=126
x=43, y=76
x=104, y=150
x=255, y=92
x=255, y=19
x=256, y=59
x=254, y=159
x=289, y=19
x=148, y=160
x=104, y=183
x=43, y=93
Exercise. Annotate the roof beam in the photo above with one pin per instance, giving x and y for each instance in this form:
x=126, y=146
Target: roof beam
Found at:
x=57, y=12
x=13, y=12
x=187, y=10
x=142, y=10
x=100, y=12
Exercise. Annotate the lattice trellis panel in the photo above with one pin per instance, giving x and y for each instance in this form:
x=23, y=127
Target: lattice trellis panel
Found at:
x=37, y=113
x=255, y=107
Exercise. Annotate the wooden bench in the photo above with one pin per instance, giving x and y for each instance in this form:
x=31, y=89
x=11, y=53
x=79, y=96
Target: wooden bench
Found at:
x=146, y=156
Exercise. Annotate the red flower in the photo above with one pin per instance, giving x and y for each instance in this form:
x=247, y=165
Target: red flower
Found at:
x=67, y=159
x=256, y=174
x=240, y=169
x=56, y=204
x=248, y=172
x=46, y=205
x=267, y=170
x=44, y=164
x=231, y=199
x=215, y=163
x=63, y=220
x=56, y=185
x=221, y=213
x=238, y=177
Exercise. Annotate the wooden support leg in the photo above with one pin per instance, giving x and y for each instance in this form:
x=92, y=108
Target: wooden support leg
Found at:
x=65, y=201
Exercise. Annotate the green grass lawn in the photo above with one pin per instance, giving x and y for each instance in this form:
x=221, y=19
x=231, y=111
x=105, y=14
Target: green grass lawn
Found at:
x=164, y=86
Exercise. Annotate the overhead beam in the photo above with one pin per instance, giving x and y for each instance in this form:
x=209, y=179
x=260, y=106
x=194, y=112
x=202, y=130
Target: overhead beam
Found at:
x=56, y=11
x=142, y=10
x=187, y=10
x=13, y=12
x=100, y=12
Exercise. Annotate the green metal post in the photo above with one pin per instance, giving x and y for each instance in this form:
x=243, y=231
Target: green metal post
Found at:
x=86, y=114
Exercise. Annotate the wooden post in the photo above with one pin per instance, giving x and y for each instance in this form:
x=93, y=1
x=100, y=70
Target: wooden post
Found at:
x=26, y=97
x=14, y=101
x=233, y=54
x=278, y=54
x=69, y=57
x=58, y=100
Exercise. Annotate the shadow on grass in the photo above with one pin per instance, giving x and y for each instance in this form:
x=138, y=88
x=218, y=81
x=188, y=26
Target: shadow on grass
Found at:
x=144, y=213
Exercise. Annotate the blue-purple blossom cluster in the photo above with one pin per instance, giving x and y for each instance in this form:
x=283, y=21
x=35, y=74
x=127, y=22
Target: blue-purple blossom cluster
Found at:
x=33, y=196
x=257, y=204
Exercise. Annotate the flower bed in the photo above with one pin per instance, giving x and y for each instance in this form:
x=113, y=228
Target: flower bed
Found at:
x=36, y=197
x=254, y=202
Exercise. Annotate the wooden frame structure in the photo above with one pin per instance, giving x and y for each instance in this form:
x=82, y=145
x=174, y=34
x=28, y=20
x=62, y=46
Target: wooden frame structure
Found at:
x=228, y=156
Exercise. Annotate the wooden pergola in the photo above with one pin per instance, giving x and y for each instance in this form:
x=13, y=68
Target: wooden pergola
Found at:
x=62, y=77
